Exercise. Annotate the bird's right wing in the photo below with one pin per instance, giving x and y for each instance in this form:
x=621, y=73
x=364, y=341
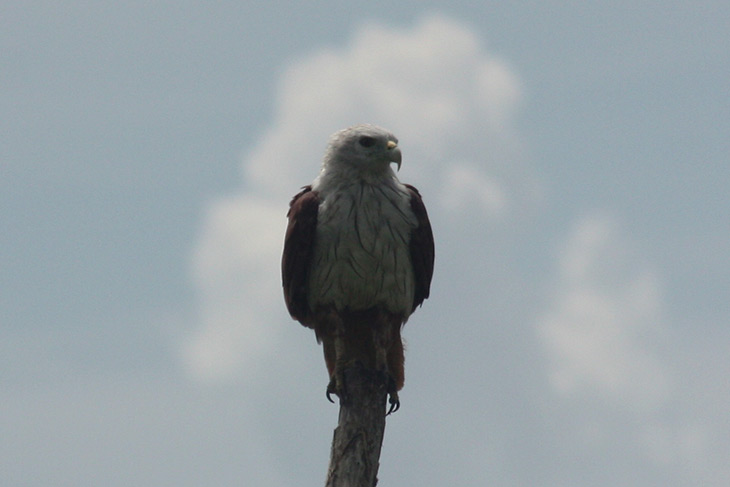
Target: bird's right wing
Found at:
x=298, y=250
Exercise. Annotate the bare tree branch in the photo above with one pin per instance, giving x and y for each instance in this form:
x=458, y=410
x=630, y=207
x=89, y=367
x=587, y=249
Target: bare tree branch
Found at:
x=355, y=456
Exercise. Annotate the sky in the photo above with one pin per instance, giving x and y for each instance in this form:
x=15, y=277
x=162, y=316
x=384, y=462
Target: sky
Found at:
x=573, y=160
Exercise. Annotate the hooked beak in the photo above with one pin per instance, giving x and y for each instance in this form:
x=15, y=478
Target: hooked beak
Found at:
x=395, y=155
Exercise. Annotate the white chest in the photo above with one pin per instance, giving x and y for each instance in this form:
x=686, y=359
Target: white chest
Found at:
x=362, y=254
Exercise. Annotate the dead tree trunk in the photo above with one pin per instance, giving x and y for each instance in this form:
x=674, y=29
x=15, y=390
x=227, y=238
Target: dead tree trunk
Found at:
x=355, y=456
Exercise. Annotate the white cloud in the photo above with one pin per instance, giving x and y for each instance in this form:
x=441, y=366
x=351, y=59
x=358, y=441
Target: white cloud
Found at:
x=434, y=85
x=467, y=185
x=236, y=270
x=601, y=329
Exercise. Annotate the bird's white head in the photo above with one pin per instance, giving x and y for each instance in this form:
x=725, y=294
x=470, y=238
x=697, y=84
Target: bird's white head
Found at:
x=367, y=149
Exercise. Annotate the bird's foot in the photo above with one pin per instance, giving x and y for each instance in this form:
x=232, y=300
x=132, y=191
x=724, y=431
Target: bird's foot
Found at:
x=336, y=386
x=393, y=399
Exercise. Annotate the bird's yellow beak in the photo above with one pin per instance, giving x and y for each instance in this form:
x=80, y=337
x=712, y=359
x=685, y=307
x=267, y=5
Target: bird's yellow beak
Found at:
x=395, y=155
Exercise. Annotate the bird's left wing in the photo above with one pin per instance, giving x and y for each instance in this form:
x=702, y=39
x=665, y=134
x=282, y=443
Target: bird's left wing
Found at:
x=298, y=246
x=422, y=248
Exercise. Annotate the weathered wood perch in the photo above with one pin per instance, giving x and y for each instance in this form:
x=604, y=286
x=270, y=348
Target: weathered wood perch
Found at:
x=355, y=456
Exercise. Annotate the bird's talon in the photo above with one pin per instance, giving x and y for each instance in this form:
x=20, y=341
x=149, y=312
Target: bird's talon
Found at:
x=332, y=389
x=394, y=406
x=337, y=388
x=393, y=399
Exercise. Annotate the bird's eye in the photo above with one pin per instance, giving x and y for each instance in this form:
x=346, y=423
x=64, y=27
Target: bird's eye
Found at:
x=366, y=141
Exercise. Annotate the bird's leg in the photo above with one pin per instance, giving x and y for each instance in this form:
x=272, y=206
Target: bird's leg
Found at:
x=337, y=380
x=382, y=341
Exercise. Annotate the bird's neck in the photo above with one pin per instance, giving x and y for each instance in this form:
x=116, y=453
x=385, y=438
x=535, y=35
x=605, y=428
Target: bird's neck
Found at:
x=332, y=178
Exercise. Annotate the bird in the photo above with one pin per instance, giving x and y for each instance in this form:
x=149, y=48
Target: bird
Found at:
x=358, y=257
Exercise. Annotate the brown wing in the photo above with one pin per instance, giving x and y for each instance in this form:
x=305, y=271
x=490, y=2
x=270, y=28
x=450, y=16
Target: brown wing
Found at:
x=298, y=245
x=422, y=249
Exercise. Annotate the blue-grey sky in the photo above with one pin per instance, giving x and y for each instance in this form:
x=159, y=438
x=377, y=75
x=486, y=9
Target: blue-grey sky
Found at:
x=573, y=157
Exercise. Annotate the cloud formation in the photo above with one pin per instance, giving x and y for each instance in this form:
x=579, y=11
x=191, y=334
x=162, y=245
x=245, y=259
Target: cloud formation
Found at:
x=605, y=317
x=235, y=267
x=586, y=376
